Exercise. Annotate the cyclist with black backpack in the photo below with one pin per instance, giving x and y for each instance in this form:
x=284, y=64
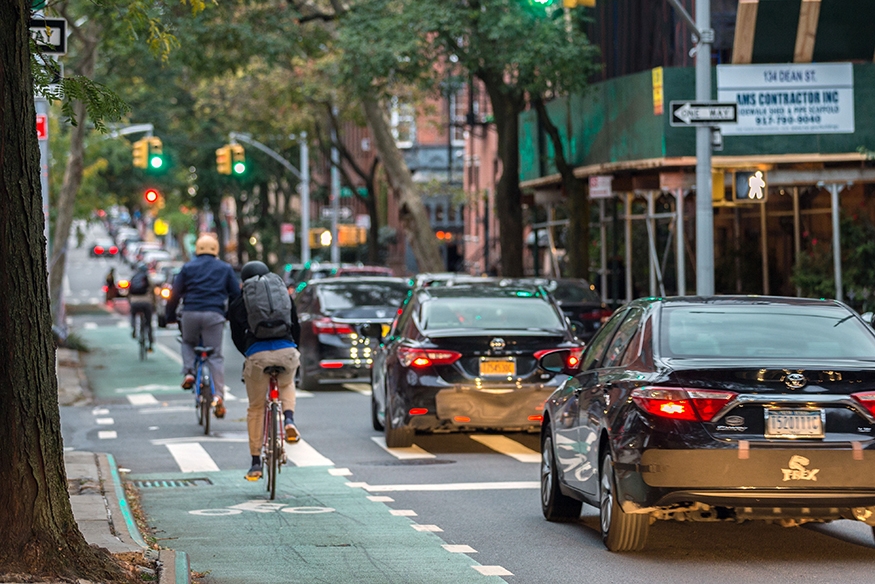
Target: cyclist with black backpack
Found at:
x=265, y=329
x=141, y=298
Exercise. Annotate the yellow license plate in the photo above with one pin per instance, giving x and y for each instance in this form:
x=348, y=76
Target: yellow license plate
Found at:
x=385, y=330
x=503, y=367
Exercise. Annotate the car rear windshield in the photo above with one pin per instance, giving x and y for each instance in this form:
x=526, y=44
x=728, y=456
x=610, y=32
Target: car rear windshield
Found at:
x=764, y=331
x=490, y=313
x=351, y=294
x=573, y=292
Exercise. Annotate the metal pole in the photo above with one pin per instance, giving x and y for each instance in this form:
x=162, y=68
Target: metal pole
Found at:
x=797, y=231
x=335, y=196
x=679, y=243
x=836, y=241
x=704, y=209
x=765, y=247
x=628, y=272
x=305, y=198
x=651, y=242
x=603, y=250
x=42, y=107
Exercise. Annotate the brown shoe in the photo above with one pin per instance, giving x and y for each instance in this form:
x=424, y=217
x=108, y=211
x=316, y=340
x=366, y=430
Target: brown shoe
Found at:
x=220, y=408
x=188, y=381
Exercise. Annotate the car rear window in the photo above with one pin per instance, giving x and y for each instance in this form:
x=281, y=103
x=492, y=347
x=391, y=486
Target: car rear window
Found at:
x=490, y=313
x=763, y=332
x=572, y=292
x=340, y=296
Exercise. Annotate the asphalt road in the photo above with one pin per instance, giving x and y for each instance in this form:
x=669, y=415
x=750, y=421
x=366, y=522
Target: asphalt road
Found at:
x=454, y=508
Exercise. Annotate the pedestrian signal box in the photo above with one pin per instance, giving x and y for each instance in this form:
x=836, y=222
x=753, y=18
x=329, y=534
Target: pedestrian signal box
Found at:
x=750, y=186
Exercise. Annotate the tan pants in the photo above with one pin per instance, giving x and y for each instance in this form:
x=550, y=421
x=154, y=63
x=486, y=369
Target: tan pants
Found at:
x=257, y=385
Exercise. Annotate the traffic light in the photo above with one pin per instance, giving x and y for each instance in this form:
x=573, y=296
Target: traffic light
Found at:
x=156, y=156
x=141, y=153
x=223, y=160
x=151, y=195
x=238, y=159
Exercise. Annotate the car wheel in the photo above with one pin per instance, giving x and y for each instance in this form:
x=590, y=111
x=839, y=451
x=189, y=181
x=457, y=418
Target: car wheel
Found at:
x=396, y=437
x=621, y=531
x=375, y=421
x=162, y=321
x=308, y=382
x=555, y=505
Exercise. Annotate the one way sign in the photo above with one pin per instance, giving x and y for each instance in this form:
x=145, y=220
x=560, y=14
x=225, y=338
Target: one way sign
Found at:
x=702, y=113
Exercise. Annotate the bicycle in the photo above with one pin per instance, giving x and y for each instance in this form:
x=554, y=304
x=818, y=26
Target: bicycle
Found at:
x=204, y=389
x=142, y=333
x=273, y=451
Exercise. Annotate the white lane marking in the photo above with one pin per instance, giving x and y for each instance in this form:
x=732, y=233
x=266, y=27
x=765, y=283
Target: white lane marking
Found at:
x=142, y=399
x=170, y=353
x=509, y=447
x=431, y=528
x=229, y=437
x=339, y=472
x=402, y=453
x=303, y=393
x=493, y=570
x=104, y=421
x=150, y=387
x=123, y=324
x=89, y=325
x=402, y=512
x=191, y=457
x=229, y=396
x=165, y=409
x=449, y=486
x=459, y=549
x=99, y=411
x=302, y=454
x=380, y=499
x=362, y=388
x=107, y=434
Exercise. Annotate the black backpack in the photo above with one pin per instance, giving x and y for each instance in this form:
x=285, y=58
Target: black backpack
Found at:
x=268, y=306
x=139, y=284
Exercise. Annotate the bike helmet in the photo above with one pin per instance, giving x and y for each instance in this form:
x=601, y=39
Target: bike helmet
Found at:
x=254, y=268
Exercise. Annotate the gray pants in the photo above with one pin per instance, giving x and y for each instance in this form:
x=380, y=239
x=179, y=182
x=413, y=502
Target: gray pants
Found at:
x=204, y=328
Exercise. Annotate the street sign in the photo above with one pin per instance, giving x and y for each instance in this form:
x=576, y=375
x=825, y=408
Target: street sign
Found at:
x=344, y=213
x=702, y=113
x=600, y=187
x=50, y=35
x=42, y=127
x=287, y=233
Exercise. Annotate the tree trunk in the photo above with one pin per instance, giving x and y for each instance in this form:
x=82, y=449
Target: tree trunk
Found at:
x=40, y=535
x=414, y=217
x=508, y=196
x=577, y=245
x=72, y=180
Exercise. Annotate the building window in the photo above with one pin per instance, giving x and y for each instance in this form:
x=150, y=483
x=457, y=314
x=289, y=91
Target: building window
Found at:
x=458, y=111
x=403, y=121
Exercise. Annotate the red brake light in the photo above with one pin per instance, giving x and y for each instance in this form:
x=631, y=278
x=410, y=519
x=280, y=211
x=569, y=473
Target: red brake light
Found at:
x=326, y=326
x=113, y=250
x=866, y=399
x=572, y=361
x=98, y=250
x=682, y=404
x=418, y=411
x=420, y=358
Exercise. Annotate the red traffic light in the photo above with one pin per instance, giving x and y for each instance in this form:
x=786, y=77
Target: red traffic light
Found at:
x=151, y=196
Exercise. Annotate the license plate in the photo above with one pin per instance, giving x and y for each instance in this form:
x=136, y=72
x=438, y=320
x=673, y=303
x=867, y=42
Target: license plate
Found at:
x=794, y=423
x=498, y=367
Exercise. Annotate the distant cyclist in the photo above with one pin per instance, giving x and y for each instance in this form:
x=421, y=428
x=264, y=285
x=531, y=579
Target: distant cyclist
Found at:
x=141, y=298
x=275, y=343
x=205, y=284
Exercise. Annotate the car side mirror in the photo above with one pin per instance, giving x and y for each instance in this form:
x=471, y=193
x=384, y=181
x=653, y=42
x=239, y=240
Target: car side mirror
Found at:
x=373, y=330
x=868, y=317
x=560, y=361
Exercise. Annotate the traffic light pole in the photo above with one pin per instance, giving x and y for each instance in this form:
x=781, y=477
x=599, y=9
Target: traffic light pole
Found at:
x=303, y=175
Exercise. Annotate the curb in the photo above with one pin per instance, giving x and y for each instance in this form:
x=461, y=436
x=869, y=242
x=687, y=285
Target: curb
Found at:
x=173, y=566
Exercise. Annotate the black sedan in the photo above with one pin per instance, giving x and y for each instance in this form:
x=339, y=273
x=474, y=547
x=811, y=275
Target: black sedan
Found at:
x=465, y=357
x=332, y=312
x=714, y=409
x=579, y=301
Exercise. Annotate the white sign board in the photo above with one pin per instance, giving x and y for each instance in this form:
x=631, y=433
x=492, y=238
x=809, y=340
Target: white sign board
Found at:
x=287, y=233
x=788, y=98
x=600, y=187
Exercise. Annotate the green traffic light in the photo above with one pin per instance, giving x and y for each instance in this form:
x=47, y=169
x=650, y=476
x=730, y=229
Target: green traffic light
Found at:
x=156, y=162
x=239, y=168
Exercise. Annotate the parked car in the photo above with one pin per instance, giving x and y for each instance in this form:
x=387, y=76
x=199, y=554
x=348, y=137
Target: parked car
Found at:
x=104, y=248
x=162, y=279
x=364, y=271
x=465, y=357
x=727, y=408
x=333, y=312
x=134, y=249
x=579, y=301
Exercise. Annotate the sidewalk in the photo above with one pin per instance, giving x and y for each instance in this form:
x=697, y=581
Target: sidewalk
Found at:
x=97, y=495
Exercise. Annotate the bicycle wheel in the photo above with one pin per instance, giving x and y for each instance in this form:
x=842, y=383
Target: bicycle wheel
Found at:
x=206, y=401
x=142, y=336
x=273, y=457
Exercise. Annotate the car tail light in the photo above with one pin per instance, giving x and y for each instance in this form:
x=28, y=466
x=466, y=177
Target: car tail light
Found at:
x=572, y=361
x=682, y=403
x=98, y=250
x=113, y=250
x=866, y=399
x=331, y=364
x=123, y=284
x=420, y=358
x=418, y=411
x=326, y=326
x=536, y=418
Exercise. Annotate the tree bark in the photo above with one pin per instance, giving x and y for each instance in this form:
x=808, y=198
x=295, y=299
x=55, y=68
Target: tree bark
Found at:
x=40, y=535
x=508, y=195
x=72, y=177
x=577, y=246
x=414, y=217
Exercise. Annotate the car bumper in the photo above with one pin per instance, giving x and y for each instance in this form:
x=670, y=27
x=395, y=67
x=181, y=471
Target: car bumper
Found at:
x=344, y=370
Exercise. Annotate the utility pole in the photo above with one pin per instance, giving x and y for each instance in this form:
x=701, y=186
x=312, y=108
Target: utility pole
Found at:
x=335, y=192
x=704, y=34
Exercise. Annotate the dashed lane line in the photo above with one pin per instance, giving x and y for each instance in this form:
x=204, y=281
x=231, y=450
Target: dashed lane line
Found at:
x=107, y=434
x=142, y=399
x=408, y=453
x=493, y=570
x=509, y=447
x=486, y=486
x=191, y=457
x=302, y=454
x=459, y=549
x=104, y=421
x=362, y=388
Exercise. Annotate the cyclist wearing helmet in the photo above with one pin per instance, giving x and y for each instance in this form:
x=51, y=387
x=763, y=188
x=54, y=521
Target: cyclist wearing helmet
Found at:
x=204, y=284
x=141, y=298
x=261, y=353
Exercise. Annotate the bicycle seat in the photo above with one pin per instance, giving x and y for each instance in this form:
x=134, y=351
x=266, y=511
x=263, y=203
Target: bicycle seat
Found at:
x=201, y=350
x=274, y=369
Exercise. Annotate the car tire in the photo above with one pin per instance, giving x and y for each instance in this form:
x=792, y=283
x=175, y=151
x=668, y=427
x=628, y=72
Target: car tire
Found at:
x=162, y=321
x=396, y=437
x=308, y=382
x=554, y=504
x=375, y=421
x=621, y=531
